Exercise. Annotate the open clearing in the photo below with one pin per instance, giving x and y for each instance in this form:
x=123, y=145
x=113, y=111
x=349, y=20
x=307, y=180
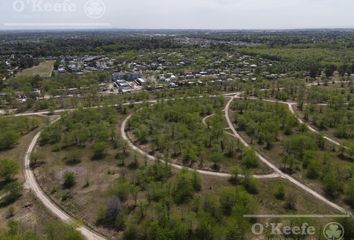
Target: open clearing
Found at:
x=44, y=69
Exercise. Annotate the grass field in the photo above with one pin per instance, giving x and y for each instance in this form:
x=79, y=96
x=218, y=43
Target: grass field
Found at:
x=44, y=69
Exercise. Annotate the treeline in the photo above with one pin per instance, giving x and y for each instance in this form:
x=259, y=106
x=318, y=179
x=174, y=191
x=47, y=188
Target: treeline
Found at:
x=56, y=85
x=305, y=38
x=10, y=188
x=309, y=59
x=296, y=90
x=81, y=128
x=104, y=43
x=54, y=231
x=12, y=128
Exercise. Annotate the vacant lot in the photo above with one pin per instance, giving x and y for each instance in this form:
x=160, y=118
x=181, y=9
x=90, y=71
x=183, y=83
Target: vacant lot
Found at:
x=44, y=69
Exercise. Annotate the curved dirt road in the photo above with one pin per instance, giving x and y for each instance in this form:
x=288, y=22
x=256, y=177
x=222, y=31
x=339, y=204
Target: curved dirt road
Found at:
x=291, y=106
x=292, y=110
x=177, y=166
x=277, y=170
x=31, y=183
x=91, y=235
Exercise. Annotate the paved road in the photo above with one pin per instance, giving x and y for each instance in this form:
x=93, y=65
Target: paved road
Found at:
x=31, y=183
x=276, y=169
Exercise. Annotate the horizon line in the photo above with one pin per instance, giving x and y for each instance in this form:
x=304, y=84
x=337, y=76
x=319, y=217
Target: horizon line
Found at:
x=89, y=28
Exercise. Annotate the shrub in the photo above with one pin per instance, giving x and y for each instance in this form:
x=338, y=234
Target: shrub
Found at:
x=280, y=192
x=332, y=183
x=69, y=180
x=72, y=158
x=13, y=192
x=184, y=186
x=112, y=215
x=234, y=179
x=291, y=202
x=8, y=169
x=8, y=140
x=62, y=232
x=122, y=189
x=99, y=149
x=350, y=193
x=249, y=159
x=251, y=185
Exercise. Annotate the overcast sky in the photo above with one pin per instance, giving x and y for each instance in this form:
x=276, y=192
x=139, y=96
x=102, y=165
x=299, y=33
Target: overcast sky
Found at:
x=177, y=14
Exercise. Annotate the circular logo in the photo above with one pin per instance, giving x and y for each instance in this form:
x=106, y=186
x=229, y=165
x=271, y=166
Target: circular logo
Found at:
x=18, y=5
x=333, y=231
x=95, y=8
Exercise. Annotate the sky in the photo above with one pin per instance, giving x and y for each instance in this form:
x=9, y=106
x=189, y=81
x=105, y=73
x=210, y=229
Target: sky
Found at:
x=176, y=14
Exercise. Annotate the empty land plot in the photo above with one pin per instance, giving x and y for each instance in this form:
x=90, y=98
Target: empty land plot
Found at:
x=44, y=69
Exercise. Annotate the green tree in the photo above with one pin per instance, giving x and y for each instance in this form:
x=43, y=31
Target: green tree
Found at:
x=99, y=149
x=235, y=178
x=251, y=184
x=121, y=189
x=291, y=201
x=249, y=158
x=196, y=181
x=313, y=169
x=59, y=231
x=13, y=192
x=332, y=183
x=350, y=193
x=8, y=140
x=216, y=158
x=183, y=187
x=8, y=169
x=228, y=198
x=298, y=144
x=280, y=192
